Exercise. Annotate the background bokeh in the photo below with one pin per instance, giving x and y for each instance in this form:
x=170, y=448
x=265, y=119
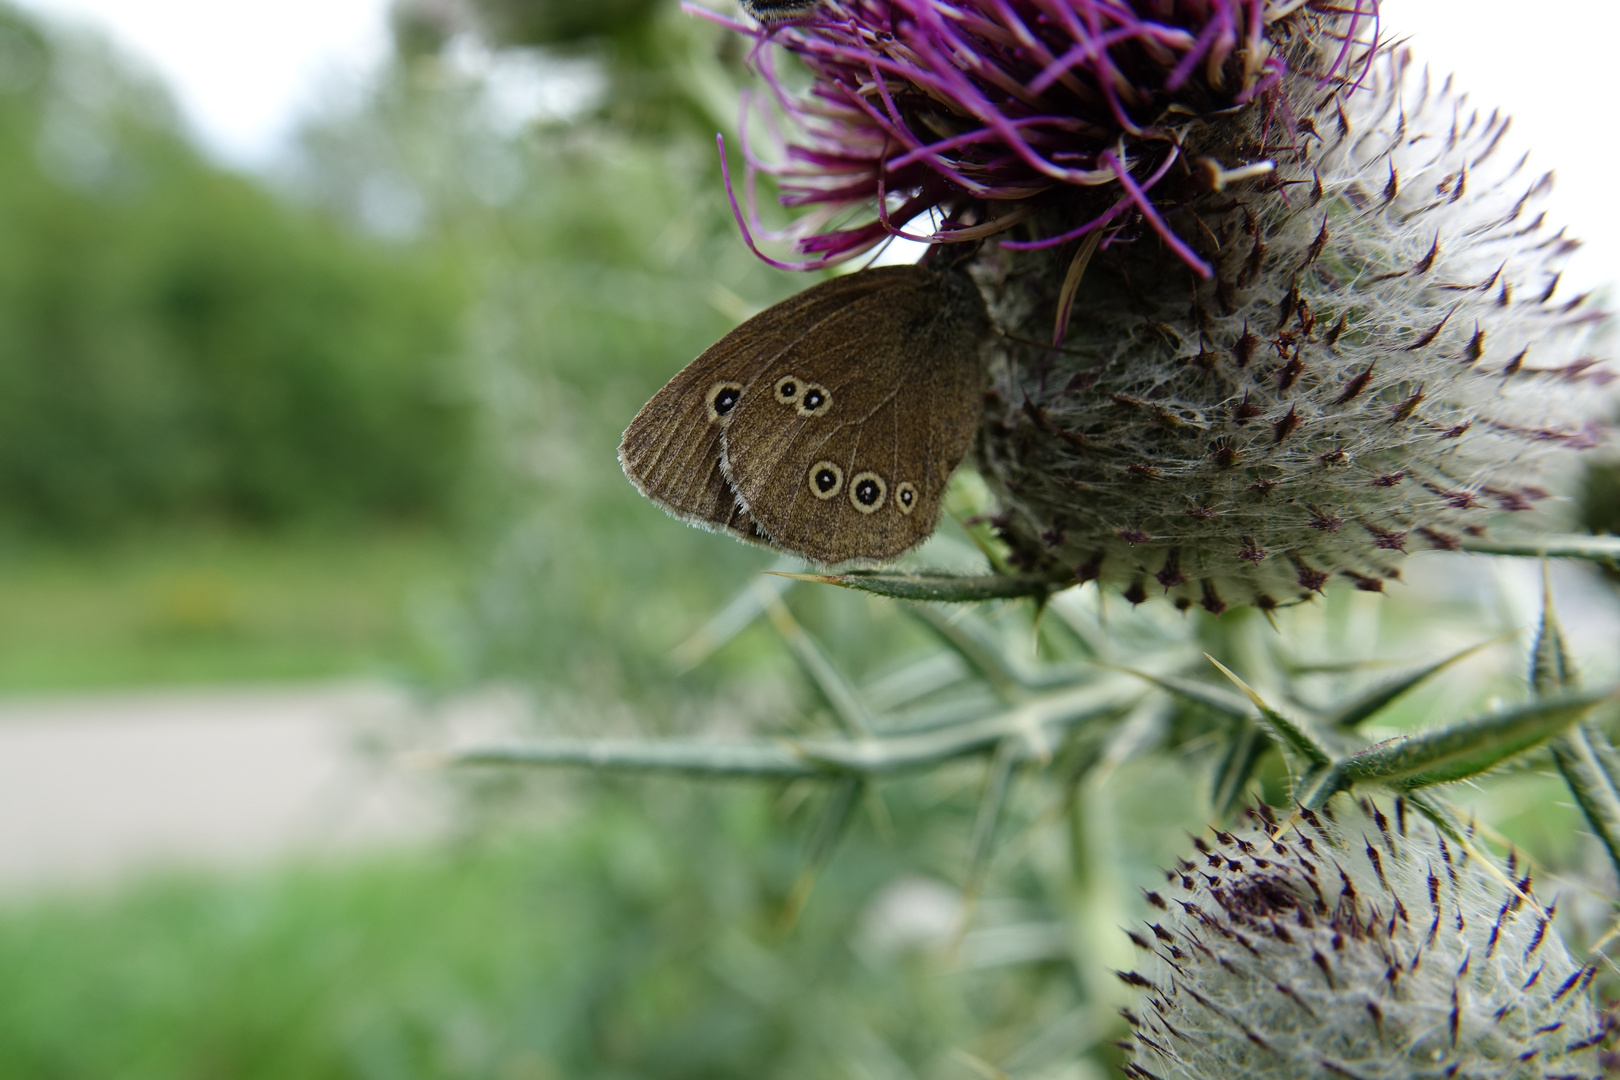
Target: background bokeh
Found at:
x=346, y=409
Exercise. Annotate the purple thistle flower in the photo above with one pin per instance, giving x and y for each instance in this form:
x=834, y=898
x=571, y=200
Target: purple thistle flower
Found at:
x=1292, y=282
x=985, y=112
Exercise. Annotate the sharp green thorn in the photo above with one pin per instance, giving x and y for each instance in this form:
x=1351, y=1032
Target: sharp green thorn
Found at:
x=1188, y=690
x=1549, y=661
x=1243, y=751
x=998, y=788
x=1381, y=697
x=1290, y=735
x=728, y=622
x=846, y=704
x=1583, y=755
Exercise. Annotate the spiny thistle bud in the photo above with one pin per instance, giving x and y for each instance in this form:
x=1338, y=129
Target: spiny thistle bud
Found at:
x=1302, y=300
x=1351, y=945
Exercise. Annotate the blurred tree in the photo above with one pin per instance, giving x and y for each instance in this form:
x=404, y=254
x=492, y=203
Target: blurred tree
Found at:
x=602, y=256
x=562, y=22
x=643, y=47
x=176, y=341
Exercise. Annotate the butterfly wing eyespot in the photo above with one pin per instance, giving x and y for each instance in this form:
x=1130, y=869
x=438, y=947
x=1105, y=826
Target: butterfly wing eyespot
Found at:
x=826, y=480
x=887, y=369
x=905, y=496
x=867, y=492
x=814, y=401
x=723, y=397
x=788, y=389
x=673, y=451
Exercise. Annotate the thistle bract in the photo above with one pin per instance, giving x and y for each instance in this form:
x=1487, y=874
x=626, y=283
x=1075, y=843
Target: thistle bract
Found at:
x=1367, y=946
x=1303, y=302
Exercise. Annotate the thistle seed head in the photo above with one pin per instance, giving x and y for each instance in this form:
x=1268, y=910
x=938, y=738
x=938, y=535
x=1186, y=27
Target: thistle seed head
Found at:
x=1379, y=364
x=1355, y=944
x=1304, y=303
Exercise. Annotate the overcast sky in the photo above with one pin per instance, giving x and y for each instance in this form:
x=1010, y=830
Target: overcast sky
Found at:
x=245, y=70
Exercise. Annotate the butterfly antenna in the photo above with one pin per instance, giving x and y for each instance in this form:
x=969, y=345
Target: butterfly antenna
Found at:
x=1047, y=345
x=877, y=253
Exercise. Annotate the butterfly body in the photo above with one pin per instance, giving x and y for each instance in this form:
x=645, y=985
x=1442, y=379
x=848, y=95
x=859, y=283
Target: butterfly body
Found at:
x=776, y=11
x=827, y=425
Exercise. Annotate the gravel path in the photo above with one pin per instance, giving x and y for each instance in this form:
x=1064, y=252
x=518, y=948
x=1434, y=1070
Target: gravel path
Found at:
x=95, y=787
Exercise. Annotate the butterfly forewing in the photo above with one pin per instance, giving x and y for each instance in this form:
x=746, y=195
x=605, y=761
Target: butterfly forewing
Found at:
x=841, y=445
x=671, y=450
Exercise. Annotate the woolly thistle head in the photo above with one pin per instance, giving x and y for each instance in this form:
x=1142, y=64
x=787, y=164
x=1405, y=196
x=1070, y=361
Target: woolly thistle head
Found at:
x=1303, y=300
x=1351, y=945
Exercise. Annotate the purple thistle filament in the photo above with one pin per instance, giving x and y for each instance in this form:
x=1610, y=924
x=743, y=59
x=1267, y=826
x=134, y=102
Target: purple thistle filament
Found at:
x=972, y=109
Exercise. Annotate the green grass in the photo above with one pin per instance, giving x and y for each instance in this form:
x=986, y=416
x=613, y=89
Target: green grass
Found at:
x=196, y=606
x=640, y=938
x=419, y=965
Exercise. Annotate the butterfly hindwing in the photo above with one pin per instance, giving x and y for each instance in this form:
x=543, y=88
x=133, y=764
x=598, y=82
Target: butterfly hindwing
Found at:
x=842, y=445
x=671, y=451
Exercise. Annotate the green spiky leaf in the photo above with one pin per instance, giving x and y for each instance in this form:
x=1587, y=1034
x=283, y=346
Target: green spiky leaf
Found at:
x=977, y=647
x=1568, y=546
x=1466, y=749
x=1583, y=754
x=997, y=789
x=1244, y=748
x=1316, y=787
x=1595, y=787
x=1289, y=734
x=689, y=757
x=835, y=819
x=1199, y=693
x=938, y=586
x=1550, y=669
x=1038, y=722
x=846, y=704
x=1376, y=700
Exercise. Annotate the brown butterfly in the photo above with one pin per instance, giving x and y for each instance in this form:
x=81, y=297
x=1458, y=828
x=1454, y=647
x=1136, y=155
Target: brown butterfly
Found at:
x=827, y=425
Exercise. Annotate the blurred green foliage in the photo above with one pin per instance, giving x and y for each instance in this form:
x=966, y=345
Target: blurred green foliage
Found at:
x=590, y=253
x=557, y=22
x=641, y=48
x=602, y=258
x=177, y=342
x=187, y=605
x=1600, y=498
x=643, y=940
